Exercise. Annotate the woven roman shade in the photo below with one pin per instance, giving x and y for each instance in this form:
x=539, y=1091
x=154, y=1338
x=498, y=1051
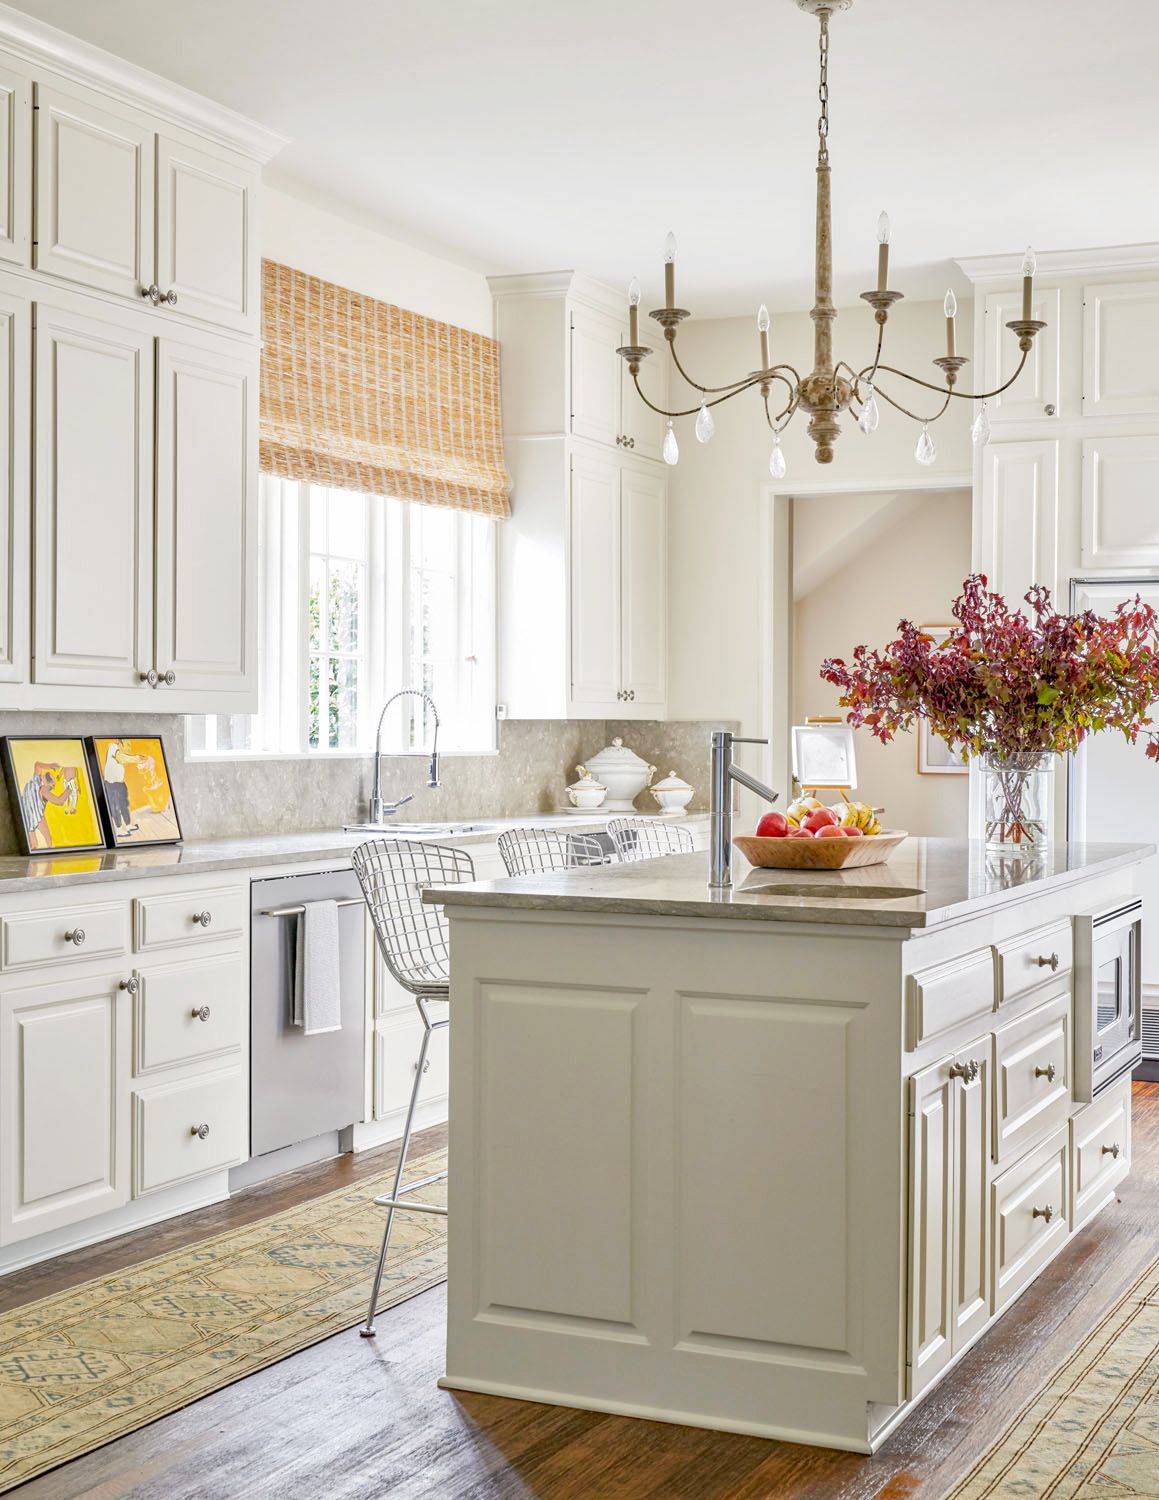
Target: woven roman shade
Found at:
x=359, y=395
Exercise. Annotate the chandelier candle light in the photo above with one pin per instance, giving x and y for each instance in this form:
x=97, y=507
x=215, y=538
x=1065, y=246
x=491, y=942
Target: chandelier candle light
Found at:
x=832, y=388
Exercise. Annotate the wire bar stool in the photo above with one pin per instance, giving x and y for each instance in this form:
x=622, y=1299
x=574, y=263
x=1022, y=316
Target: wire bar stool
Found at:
x=647, y=838
x=414, y=940
x=528, y=851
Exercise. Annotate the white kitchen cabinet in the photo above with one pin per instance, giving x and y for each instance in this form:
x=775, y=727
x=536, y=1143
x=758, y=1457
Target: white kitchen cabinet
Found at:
x=1020, y=530
x=207, y=415
x=15, y=164
x=1035, y=395
x=643, y=591
x=94, y=191
x=1120, y=502
x=595, y=377
x=15, y=495
x=207, y=253
x=1120, y=329
x=64, y=1068
x=643, y=427
x=93, y=554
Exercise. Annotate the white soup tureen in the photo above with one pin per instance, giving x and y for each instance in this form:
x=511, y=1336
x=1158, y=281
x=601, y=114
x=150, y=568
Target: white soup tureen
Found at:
x=623, y=773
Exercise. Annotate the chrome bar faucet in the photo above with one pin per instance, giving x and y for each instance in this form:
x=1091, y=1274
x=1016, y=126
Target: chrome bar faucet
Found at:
x=723, y=774
x=378, y=808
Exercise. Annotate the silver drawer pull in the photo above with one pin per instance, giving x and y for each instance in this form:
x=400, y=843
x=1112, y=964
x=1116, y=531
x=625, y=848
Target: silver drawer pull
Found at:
x=1112, y=1150
x=966, y=1071
x=169, y=297
x=75, y=936
x=201, y=1013
x=426, y=1066
x=130, y=985
x=151, y=294
x=1048, y=1072
x=1046, y=1213
x=203, y=918
x=150, y=677
x=1050, y=963
x=200, y=1131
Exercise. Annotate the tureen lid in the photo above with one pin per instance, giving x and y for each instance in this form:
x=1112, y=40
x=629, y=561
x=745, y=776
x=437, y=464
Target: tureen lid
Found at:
x=586, y=783
x=671, y=783
x=617, y=757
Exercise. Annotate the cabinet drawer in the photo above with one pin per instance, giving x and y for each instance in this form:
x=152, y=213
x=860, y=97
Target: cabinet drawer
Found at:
x=1028, y=1217
x=68, y=935
x=1032, y=959
x=396, y=1048
x=1032, y=1062
x=166, y=1119
x=187, y=1011
x=1100, y=1150
x=947, y=994
x=197, y=916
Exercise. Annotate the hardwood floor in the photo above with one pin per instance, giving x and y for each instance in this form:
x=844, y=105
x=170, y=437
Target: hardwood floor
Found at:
x=353, y=1417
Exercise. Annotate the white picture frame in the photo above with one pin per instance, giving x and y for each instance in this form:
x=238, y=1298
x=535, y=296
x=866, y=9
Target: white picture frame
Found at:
x=824, y=756
x=935, y=756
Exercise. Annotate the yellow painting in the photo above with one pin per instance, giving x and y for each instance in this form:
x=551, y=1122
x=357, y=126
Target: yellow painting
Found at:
x=53, y=803
x=134, y=781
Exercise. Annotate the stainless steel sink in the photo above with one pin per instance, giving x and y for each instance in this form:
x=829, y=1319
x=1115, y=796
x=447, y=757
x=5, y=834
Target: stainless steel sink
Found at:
x=443, y=828
x=837, y=892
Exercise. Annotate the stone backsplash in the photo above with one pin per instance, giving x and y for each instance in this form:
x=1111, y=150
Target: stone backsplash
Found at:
x=536, y=760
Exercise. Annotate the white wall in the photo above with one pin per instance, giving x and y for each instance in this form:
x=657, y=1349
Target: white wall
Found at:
x=717, y=560
x=300, y=230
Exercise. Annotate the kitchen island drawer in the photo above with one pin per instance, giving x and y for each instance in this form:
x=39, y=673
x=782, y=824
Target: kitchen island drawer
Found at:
x=1100, y=1150
x=188, y=1128
x=1032, y=1077
x=204, y=916
x=69, y=934
x=187, y=1011
x=948, y=994
x=1032, y=959
x=1028, y=1217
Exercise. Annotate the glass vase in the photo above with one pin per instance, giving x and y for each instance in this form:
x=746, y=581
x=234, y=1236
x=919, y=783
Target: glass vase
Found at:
x=1019, y=802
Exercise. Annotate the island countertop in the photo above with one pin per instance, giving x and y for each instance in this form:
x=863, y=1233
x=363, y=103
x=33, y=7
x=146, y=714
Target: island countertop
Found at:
x=927, y=882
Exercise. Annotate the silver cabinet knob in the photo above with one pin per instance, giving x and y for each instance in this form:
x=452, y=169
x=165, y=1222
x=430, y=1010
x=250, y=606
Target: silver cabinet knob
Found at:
x=168, y=678
x=426, y=1066
x=1050, y=962
x=1050, y=408
x=75, y=936
x=1112, y=1150
x=200, y=1013
x=169, y=297
x=967, y=1071
x=203, y=918
x=200, y=1131
x=130, y=985
x=631, y=442
x=151, y=293
x=1048, y=1072
x=1046, y=1213
x=632, y=694
x=150, y=677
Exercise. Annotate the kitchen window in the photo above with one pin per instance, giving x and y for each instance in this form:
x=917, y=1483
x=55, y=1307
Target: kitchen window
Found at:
x=360, y=595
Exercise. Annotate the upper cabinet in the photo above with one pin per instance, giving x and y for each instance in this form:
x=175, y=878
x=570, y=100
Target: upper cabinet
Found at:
x=15, y=362
x=15, y=165
x=605, y=404
x=207, y=254
x=1035, y=394
x=1120, y=331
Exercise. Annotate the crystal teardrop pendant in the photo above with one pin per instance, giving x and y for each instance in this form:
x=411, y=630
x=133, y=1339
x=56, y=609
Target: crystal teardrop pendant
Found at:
x=777, y=466
x=870, y=414
x=670, y=452
x=980, y=431
x=705, y=424
x=925, y=452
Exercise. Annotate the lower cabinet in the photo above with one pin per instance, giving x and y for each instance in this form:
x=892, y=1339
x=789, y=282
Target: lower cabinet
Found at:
x=1030, y=1216
x=64, y=1104
x=949, y=1250
x=1100, y=1151
x=187, y=1128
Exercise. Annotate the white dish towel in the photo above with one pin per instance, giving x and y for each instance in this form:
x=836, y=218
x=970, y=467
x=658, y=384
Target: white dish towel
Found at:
x=317, y=997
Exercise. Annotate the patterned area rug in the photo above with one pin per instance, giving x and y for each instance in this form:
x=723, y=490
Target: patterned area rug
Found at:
x=1092, y=1433
x=85, y=1366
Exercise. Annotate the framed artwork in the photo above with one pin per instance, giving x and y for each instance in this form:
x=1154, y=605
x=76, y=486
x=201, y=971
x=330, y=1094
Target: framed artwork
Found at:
x=137, y=802
x=54, y=805
x=935, y=757
x=823, y=756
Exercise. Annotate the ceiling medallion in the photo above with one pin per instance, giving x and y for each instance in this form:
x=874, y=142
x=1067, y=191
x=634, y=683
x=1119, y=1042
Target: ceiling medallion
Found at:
x=832, y=388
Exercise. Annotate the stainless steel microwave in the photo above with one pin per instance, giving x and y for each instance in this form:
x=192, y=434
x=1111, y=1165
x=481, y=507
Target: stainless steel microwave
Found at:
x=1108, y=996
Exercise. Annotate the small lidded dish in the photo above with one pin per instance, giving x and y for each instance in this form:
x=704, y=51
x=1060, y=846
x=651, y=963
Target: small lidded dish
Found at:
x=672, y=793
x=586, y=793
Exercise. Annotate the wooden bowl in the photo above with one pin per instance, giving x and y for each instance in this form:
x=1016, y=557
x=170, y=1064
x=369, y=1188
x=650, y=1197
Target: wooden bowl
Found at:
x=819, y=854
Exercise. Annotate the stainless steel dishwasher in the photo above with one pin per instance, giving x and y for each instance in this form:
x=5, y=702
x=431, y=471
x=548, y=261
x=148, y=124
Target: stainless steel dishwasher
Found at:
x=303, y=1087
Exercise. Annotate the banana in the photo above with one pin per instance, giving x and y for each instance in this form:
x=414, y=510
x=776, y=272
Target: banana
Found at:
x=796, y=811
x=858, y=815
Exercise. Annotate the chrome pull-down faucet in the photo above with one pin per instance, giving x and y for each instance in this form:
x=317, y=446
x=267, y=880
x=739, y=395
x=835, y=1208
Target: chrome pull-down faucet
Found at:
x=723, y=774
x=378, y=808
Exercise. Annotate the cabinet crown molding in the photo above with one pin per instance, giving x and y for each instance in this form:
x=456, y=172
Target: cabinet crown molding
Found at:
x=984, y=270
x=575, y=284
x=34, y=42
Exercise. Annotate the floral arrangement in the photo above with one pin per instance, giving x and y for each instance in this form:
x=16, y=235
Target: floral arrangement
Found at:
x=1008, y=685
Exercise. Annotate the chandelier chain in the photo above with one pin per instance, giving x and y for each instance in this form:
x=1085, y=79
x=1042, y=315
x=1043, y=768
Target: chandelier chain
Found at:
x=823, y=90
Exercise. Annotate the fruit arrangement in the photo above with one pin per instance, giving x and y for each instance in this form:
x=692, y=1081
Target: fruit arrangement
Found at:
x=808, y=818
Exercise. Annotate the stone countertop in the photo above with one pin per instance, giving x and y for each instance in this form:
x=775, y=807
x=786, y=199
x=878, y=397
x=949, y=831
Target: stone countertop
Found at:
x=925, y=883
x=202, y=856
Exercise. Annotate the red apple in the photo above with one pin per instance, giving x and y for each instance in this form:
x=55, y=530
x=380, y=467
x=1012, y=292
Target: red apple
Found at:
x=799, y=833
x=853, y=833
x=773, y=825
x=820, y=817
x=830, y=831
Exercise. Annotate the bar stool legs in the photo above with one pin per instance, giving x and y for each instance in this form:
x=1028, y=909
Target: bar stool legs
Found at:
x=392, y=1201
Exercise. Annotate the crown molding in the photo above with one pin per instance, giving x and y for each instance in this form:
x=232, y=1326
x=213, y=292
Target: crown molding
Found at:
x=596, y=294
x=984, y=269
x=40, y=45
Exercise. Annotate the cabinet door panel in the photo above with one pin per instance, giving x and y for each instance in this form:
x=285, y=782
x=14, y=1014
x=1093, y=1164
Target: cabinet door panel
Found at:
x=1120, y=516
x=15, y=495
x=643, y=591
x=64, y=1057
x=595, y=582
x=931, y=1224
x=644, y=427
x=15, y=166
x=206, y=502
x=972, y=1115
x=1020, y=516
x=1032, y=1089
x=93, y=567
x=1038, y=385
x=206, y=250
x=1120, y=329
x=595, y=376
x=94, y=194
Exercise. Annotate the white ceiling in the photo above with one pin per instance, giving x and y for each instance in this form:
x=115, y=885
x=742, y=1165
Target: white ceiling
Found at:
x=536, y=134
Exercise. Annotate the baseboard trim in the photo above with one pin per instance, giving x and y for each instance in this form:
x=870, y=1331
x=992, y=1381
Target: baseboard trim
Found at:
x=384, y=1132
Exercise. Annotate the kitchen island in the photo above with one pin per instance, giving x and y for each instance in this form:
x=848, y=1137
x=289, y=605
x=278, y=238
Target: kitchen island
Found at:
x=771, y=1159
